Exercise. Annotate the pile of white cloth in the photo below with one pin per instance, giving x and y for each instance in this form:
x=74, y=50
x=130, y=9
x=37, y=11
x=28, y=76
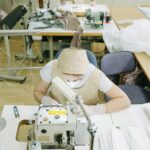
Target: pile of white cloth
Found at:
x=132, y=138
x=135, y=38
x=129, y=130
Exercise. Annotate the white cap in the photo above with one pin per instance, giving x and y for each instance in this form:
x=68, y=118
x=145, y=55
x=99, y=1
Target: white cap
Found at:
x=73, y=61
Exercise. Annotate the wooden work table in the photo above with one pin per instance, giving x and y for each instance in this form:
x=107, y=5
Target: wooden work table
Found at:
x=129, y=14
x=144, y=61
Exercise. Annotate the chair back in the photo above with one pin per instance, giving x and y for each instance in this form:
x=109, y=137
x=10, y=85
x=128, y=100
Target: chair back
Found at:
x=118, y=62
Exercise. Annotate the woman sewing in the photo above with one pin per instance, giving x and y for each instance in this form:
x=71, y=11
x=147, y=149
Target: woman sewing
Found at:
x=74, y=68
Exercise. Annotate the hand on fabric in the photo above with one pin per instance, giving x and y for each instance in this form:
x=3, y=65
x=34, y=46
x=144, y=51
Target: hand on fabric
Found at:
x=46, y=100
x=98, y=109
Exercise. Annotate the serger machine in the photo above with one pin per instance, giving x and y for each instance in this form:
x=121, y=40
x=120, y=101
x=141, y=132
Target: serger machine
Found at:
x=59, y=127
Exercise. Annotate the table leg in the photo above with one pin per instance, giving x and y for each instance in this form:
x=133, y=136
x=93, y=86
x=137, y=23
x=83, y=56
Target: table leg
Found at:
x=8, y=50
x=51, y=51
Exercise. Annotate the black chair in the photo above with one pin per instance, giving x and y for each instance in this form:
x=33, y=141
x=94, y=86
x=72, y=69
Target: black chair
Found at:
x=90, y=55
x=114, y=64
x=8, y=23
x=13, y=17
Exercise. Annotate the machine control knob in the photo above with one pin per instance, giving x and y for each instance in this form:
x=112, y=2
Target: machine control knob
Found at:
x=57, y=116
x=45, y=119
x=43, y=131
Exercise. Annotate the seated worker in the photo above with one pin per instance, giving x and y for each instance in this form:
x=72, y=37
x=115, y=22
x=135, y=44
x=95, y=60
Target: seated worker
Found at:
x=74, y=68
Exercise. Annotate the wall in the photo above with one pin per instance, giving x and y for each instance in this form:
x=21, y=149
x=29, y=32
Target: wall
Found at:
x=6, y=4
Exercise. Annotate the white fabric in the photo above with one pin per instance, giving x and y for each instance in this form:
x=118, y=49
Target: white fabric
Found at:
x=91, y=110
x=110, y=139
x=132, y=138
x=133, y=38
x=138, y=138
x=104, y=85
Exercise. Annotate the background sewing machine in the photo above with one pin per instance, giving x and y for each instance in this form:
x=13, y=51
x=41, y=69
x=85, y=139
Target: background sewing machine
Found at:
x=96, y=19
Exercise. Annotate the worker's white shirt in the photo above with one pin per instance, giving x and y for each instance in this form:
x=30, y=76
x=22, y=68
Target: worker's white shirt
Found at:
x=104, y=85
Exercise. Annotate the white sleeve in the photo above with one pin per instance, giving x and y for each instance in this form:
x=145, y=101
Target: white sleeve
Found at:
x=46, y=72
x=105, y=83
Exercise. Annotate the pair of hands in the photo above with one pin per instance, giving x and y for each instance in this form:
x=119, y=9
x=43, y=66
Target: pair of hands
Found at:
x=98, y=109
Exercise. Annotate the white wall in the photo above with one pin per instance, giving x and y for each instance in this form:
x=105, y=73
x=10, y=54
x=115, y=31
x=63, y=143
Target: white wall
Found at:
x=6, y=4
x=124, y=2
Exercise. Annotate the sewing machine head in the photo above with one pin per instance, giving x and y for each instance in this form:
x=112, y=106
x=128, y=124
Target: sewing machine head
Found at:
x=58, y=126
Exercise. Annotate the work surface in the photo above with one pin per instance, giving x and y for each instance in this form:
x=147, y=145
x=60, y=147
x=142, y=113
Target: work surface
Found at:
x=124, y=15
x=144, y=61
x=135, y=116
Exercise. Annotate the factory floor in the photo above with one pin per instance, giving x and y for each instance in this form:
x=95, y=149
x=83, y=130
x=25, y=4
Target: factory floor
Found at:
x=16, y=93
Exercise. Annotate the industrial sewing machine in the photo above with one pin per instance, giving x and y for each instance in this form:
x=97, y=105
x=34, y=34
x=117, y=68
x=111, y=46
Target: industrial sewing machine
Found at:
x=53, y=126
x=58, y=127
x=97, y=19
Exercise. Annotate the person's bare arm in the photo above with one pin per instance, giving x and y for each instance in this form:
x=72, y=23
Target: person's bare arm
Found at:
x=119, y=100
x=40, y=90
